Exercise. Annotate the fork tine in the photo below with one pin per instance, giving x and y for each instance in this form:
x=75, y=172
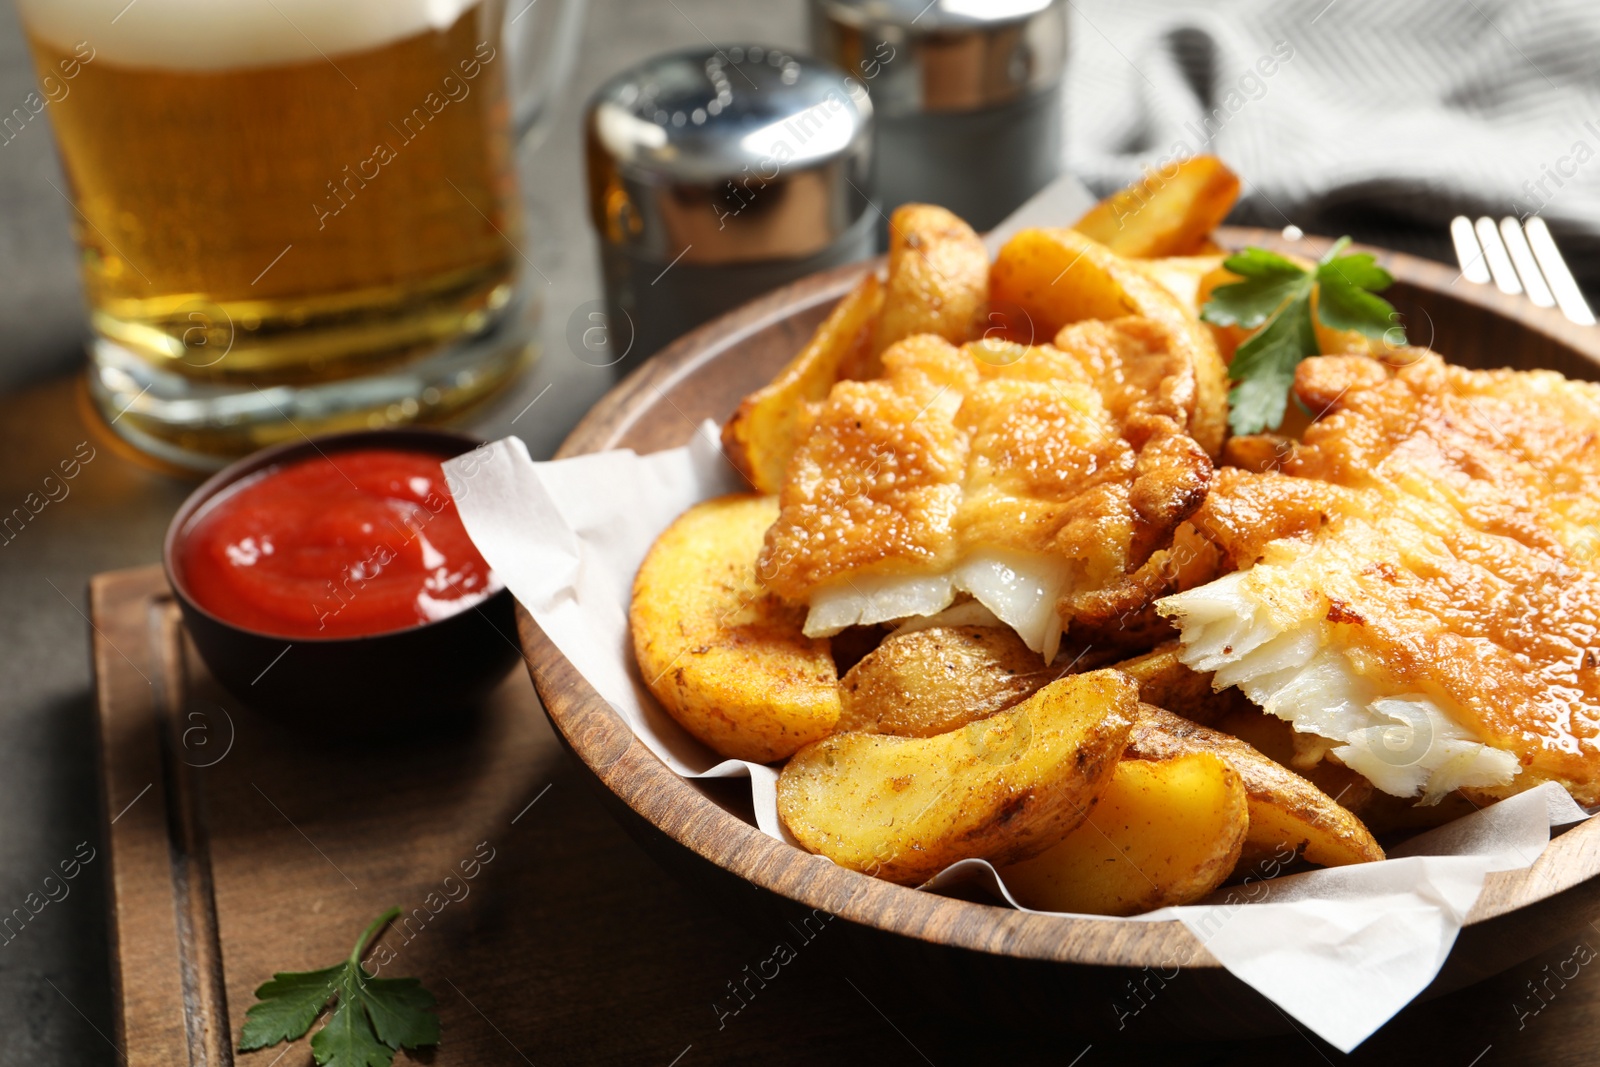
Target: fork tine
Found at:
x=1473, y=266
x=1527, y=266
x=1562, y=285
x=1494, y=250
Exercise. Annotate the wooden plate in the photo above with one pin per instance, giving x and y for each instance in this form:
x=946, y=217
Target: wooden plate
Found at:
x=991, y=963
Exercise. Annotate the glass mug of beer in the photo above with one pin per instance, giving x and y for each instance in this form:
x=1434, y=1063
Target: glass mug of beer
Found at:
x=297, y=216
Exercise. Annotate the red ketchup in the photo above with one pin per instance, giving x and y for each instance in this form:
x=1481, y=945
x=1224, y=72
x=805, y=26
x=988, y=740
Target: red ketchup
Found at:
x=343, y=545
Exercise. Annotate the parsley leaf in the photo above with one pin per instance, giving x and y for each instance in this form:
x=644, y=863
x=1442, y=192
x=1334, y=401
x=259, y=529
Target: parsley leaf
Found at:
x=1264, y=366
x=1345, y=287
x=373, y=1017
x=287, y=1006
x=1274, y=298
x=400, y=1012
x=1269, y=281
x=347, y=1040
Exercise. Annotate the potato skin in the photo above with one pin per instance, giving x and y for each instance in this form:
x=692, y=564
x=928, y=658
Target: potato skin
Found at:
x=938, y=278
x=1002, y=789
x=1163, y=833
x=932, y=681
x=770, y=422
x=1052, y=278
x=725, y=657
x=1165, y=215
x=1057, y=277
x=1285, y=809
x=1164, y=681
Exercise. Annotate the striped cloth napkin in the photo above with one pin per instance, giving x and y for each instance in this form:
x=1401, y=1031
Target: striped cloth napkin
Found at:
x=1351, y=115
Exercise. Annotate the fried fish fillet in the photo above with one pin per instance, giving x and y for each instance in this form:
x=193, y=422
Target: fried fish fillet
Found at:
x=1418, y=582
x=1031, y=477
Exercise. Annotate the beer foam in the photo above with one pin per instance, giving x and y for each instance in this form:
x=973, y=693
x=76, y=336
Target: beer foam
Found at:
x=212, y=35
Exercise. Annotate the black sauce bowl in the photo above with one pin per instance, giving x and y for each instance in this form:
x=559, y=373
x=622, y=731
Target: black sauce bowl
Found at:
x=348, y=684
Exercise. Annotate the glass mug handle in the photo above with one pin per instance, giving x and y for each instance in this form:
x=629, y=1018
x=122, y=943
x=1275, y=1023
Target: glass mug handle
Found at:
x=542, y=37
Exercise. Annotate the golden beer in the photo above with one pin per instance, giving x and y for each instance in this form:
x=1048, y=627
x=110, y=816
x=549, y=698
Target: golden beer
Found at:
x=294, y=196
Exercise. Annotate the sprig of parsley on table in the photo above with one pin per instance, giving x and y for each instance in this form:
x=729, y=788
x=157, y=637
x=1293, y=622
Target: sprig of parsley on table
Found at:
x=1276, y=291
x=371, y=1019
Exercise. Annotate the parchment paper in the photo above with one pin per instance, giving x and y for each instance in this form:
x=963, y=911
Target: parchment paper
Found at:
x=1339, y=950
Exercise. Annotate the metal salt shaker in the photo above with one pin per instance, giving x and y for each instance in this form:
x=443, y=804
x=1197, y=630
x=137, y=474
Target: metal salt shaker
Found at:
x=714, y=176
x=967, y=95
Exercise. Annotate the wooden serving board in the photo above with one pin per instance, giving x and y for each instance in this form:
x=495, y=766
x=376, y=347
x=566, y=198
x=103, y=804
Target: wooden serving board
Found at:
x=237, y=848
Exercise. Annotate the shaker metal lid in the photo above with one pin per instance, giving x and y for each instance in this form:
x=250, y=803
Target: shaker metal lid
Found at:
x=730, y=154
x=948, y=55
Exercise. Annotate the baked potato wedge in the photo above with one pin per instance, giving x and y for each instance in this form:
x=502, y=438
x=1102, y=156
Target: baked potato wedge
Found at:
x=1165, y=214
x=1164, y=832
x=932, y=681
x=1054, y=278
x=726, y=657
x=938, y=278
x=1165, y=682
x=1002, y=788
x=1286, y=810
x=766, y=428
x=1182, y=276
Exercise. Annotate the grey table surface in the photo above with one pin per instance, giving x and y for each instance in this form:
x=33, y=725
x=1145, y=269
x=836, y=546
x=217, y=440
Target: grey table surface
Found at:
x=55, y=1001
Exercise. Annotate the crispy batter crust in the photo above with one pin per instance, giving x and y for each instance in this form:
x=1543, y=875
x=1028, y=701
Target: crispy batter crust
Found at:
x=1446, y=523
x=1066, y=453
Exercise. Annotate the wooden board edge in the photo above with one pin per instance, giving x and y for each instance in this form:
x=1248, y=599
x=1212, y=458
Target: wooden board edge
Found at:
x=164, y=975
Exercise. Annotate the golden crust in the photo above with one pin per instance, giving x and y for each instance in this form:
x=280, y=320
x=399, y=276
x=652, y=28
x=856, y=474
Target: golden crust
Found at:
x=878, y=480
x=1444, y=522
x=987, y=447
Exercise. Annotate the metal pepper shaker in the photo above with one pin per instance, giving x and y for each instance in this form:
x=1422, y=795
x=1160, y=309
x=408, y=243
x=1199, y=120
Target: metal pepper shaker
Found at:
x=718, y=174
x=967, y=95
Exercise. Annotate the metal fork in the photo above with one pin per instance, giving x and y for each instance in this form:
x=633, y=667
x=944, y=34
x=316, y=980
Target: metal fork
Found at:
x=1519, y=260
